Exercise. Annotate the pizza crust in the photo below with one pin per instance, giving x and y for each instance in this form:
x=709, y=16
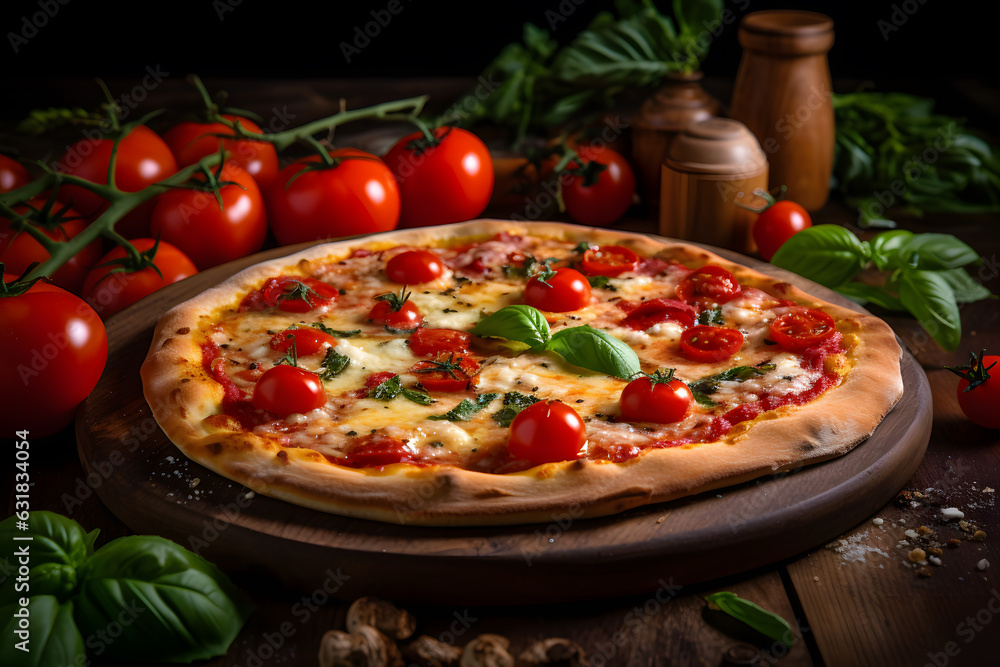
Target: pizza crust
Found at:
x=784, y=439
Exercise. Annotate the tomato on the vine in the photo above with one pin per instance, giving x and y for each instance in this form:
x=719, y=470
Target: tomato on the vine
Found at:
x=546, y=432
x=414, y=267
x=708, y=344
x=563, y=291
x=143, y=159
x=606, y=200
x=450, y=181
x=396, y=311
x=56, y=347
x=305, y=341
x=357, y=196
x=776, y=224
x=801, y=329
x=447, y=373
x=284, y=390
x=709, y=286
x=657, y=398
x=12, y=174
x=18, y=250
x=191, y=141
x=431, y=342
x=109, y=291
x=979, y=389
x=210, y=234
x=610, y=260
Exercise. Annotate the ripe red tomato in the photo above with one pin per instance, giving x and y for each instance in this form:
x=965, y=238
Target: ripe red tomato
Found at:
x=307, y=341
x=19, y=250
x=55, y=348
x=143, y=159
x=611, y=260
x=110, y=291
x=448, y=373
x=566, y=291
x=547, y=432
x=609, y=198
x=449, y=182
x=979, y=389
x=801, y=329
x=284, y=390
x=709, y=286
x=358, y=196
x=191, y=141
x=656, y=398
x=209, y=235
x=655, y=311
x=710, y=344
x=292, y=294
x=776, y=224
x=431, y=342
x=396, y=312
x=12, y=174
x=414, y=266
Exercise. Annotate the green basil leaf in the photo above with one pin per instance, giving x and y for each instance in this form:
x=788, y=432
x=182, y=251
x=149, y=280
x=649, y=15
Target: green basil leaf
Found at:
x=336, y=333
x=862, y=293
x=886, y=247
x=694, y=17
x=418, y=397
x=598, y=282
x=55, y=641
x=513, y=402
x=703, y=399
x=713, y=316
x=58, y=547
x=827, y=254
x=595, y=350
x=710, y=383
x=387, y=390
x=763, y=621
x=937, y=252
x=173, y=605
x=467, y=409
x=333, y=364
x=966, y=288
x=929, y=298
x=520, y=323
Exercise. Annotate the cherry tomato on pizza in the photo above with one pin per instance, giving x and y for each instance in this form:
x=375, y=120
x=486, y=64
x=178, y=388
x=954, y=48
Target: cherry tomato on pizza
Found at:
x=431, y=342
x=546, y=432
x=448, y=373
x=285, y=390
x=306, y=341
x=110, y=290
x=776, y=224
x=707, y=344
x=606, y=200
x=560, y=291
x=208, y=232
x=18, y=250
x=801, y=329
x=414, y=267
x=608, y=261
x=396, y=311
x=657, y=398
x=191, y=141
x=143, y=159
x=291, y=294
x=655, y=311
x=448, y=181
x=12, y=174
x=55, y=347
x=979, y=389
x=709, y=286
x=307, y=202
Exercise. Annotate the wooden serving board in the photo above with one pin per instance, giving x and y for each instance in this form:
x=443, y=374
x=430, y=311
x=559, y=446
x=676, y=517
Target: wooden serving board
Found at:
x=154, y=489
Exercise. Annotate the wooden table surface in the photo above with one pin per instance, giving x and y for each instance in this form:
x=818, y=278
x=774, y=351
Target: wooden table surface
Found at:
x=855, y=601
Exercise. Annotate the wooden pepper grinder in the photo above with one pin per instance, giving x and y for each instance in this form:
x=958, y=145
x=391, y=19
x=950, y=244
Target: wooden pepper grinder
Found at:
x=782, y=94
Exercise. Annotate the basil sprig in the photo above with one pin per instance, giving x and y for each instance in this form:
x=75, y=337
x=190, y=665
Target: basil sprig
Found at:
x=513, y=403
x=924, y=273
x=393, y=387
x=763, y=621
x=168, y=602
x=582, y=346
x=704, y=387
x=465, y=410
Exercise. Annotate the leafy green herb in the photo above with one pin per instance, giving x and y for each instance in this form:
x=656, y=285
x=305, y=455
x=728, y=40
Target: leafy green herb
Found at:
x=595, y=350
x=58, y=547
x=387, y=389
x=827, y=254
x=333, y=364
x=763, y=621
x=55, y=639
x=417, y=396
x=465, y=410
x=336, y=333
x=520, y=323
x=713, y=317
x=599, y=282
x=513, y=403
x=582, y=247
x=708, y=385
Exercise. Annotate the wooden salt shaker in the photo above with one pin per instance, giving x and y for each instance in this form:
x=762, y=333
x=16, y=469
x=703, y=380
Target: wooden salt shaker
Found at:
x=713, y=166
x=782, y=94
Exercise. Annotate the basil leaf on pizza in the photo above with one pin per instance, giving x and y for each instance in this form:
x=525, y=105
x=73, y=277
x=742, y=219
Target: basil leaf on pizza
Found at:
x=519, y=323
x=513, y=403
x=465, y=410
x=595, y=350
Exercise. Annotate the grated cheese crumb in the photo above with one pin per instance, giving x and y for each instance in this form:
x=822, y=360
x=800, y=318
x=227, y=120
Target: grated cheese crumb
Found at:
x=983, y=564
x=949, y=513
x=877, y=521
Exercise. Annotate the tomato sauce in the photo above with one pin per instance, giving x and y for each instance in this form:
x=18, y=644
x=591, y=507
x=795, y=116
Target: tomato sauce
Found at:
x=235, y=402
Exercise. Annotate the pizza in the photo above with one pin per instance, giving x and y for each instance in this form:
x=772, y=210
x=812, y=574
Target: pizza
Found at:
x=495, y=372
